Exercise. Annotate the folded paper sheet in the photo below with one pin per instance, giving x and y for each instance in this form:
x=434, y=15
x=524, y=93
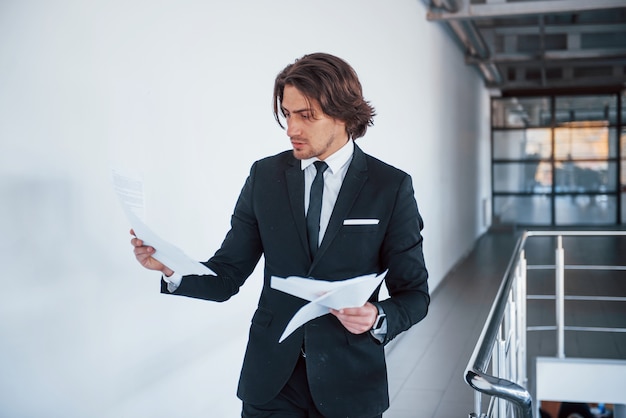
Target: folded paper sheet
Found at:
x=323, y=295
x=129, y=189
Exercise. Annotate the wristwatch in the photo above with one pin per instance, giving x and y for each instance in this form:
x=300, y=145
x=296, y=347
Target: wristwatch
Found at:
x=380, y=319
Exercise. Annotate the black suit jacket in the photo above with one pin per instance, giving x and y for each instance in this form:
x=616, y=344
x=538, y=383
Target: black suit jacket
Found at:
x=346, y=372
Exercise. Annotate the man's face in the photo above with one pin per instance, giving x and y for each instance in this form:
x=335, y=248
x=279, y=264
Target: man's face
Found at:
x=312, y=132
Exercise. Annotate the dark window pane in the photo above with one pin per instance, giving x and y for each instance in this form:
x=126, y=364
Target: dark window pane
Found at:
x=527, y=210
x=520, y=144
x=582, y=177
x=531, y=176
x=520, y=112
x=586, y=210
x=584, y=142
x=572, y=109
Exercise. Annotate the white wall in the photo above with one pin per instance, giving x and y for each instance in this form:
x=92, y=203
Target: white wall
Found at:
x=180, y=91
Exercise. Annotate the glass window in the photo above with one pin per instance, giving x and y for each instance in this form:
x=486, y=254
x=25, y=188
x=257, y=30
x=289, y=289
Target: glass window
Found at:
x=521, y=144
x=527, y=210
x=559, y=160
x=582, y=142
x=586, y=210
x=518, y=112
x=530, y=176
x=574, y=109
x=582, y=176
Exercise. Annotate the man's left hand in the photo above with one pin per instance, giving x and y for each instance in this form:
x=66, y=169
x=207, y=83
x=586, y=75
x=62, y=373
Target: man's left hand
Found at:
x=357, y=320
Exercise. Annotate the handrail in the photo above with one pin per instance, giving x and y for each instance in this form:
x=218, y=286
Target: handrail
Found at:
x=476, y=371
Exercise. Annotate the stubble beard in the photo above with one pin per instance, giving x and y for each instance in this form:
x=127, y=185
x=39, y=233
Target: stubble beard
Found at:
x=311, y=152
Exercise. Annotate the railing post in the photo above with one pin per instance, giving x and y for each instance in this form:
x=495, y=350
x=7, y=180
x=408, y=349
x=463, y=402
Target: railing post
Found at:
x=495, y=368
x=498, y=365
x=521, y=318
x=501, y=345
x=560, y=298
x=511, y=372
x=477, y=404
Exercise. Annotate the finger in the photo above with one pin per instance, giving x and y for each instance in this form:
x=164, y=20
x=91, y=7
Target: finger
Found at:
x=356, y=321
x=143, y=250
x=350, y=320
x=136, y=242
x=144, y=258
x=351, y=311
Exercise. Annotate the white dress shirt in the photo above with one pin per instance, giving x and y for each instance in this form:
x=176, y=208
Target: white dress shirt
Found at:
x=338, y=164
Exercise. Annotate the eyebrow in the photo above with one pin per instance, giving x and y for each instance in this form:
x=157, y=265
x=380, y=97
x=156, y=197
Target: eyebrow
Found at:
x=308, y=109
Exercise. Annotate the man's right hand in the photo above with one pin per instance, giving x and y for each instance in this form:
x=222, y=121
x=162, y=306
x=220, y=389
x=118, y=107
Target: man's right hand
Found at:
x=143, y=254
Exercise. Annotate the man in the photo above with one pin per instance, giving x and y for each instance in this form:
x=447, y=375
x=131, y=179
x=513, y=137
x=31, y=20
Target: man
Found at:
x=334, y=365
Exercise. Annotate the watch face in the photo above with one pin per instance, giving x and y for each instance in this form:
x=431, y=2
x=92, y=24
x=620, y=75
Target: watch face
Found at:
x=379, y=321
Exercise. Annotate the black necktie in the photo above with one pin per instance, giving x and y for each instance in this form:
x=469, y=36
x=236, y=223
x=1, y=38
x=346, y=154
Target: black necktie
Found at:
x=315, y=207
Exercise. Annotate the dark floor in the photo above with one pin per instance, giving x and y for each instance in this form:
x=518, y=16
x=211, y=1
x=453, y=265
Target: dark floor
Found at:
x=427, y=364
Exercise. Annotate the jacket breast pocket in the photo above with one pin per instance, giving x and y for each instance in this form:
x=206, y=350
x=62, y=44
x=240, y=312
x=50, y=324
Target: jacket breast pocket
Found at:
x=359, y=229
x=360, y=225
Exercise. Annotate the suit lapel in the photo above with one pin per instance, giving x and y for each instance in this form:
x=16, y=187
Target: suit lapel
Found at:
x=295, y=186
x=352, y=184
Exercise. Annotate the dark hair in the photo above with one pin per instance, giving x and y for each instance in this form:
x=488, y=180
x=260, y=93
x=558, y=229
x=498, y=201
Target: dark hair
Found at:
x=333, y=83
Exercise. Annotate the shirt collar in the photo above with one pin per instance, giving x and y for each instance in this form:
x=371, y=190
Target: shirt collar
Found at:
x=334, y=161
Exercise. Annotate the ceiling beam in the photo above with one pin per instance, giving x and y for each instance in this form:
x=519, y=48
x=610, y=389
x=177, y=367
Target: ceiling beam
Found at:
x=588, y=82
x=554, y=55
x=512, y=9
x=557, y=29
x=565, y=64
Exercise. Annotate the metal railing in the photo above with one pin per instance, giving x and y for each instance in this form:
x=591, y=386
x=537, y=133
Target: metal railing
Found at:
x=502, y=342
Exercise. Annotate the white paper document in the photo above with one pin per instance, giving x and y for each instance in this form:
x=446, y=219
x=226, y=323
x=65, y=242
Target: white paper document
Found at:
x=349, y=293
x=129, y=190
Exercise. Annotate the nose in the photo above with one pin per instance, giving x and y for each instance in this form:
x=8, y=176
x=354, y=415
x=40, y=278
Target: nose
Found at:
x=293, y=128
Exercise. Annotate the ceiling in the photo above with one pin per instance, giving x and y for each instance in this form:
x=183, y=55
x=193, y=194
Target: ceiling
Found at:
x=535, y=45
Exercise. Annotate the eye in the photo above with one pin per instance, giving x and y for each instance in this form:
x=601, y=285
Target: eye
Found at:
x=305, y=116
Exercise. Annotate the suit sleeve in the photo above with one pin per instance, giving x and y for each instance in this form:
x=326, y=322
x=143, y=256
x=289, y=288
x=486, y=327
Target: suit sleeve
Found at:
x=401, y=254
x=237, y=257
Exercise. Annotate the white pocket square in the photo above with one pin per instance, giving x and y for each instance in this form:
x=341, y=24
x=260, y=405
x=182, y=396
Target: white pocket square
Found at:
x=361, y=221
